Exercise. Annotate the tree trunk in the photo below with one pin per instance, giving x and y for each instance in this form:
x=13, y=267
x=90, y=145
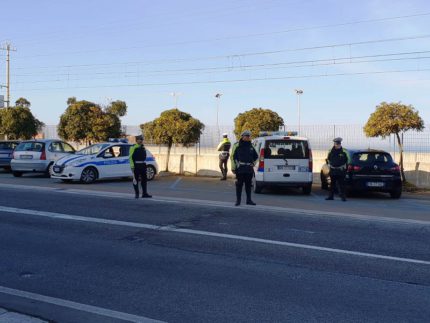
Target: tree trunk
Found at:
x=169, y=147
x=402, y=171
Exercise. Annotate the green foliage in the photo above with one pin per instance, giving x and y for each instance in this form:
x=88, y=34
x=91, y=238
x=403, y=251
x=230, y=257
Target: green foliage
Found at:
x=392, y=118
x=18, y=122
x=85, y=121
x=22, y=102
x=256, y=120
x=118, y=108
x=173, y=127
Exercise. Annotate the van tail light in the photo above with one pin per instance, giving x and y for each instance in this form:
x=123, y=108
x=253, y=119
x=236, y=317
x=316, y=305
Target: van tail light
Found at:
x=261, y=161
x=311, y=161
x=43, y=155
x=353, y=168
x=395, y=169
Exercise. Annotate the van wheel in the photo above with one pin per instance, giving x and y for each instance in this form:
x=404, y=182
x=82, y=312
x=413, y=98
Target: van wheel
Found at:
x=17, y=174
x=307, y=189
x=257, y=187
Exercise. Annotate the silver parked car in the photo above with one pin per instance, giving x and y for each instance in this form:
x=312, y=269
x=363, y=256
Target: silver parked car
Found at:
x=38, y=156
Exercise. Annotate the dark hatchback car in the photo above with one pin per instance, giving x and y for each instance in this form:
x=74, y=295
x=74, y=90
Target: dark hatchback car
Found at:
x=370, y=170
x=6, y=152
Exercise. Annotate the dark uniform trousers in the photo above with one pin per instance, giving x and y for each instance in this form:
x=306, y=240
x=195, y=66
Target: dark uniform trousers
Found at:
x=140, y=171
x=244, y=176
x=223, y=166
x=337, y=177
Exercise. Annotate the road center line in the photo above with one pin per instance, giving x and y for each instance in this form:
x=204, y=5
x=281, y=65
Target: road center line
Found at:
x=205, y=233
x=76, y=306
x=173, y=186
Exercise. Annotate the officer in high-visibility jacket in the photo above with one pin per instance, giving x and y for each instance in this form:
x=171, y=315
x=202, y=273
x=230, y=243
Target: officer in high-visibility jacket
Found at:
x=224, y=149
x=338, y=160
x=137, y=157
x=243, y=158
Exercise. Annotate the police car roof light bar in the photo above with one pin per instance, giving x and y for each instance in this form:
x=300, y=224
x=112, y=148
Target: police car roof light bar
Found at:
x=278, y=133
x=122, y=140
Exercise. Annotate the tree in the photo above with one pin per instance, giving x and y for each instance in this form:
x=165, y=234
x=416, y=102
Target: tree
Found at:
x=256, y=120
x=19, y=123
x=173, y=127
x=393, y=118
x=85, y=121
x=22, y=102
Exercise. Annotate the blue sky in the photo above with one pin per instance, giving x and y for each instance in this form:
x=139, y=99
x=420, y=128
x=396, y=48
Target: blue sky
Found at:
x=253, y=52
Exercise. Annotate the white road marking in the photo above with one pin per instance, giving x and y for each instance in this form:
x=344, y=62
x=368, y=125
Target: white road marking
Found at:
x=76, y=306
x=170, y=228
x=173, y=186
x=210, y=203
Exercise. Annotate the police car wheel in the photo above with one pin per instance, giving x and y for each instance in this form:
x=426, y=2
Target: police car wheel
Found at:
x=89, y=175
x=150, y=172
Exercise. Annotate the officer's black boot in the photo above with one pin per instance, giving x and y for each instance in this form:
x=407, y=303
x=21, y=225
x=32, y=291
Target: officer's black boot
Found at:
x=238, y=194
x=248, y=196
x=136, y=190
x=145, y=190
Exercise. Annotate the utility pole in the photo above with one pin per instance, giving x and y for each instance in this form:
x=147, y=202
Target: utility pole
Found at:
x=175, y=96
x=299, y=93
x=218, y=97
x=8, y=48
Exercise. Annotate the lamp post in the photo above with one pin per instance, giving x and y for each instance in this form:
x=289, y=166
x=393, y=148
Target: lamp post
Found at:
x=218, y=97
x=299, y=93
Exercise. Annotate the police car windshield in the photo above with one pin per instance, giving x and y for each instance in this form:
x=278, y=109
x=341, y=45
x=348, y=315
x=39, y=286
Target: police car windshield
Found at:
x=285, y=148
x=92, y=150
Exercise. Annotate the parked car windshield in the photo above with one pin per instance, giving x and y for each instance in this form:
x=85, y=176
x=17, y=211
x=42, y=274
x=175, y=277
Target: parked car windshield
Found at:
x=9, y=145
x=30, y=146
x=284, y=148
x=91, y=150
x=370, y=158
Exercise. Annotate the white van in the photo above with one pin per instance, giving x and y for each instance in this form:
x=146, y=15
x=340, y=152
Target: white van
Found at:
x=285, y=159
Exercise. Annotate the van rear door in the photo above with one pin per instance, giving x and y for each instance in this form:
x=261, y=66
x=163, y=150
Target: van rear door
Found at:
x=287, y=160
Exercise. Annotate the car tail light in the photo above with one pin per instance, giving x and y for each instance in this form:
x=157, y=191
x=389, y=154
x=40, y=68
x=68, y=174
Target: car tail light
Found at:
x=261, y=161
x=43, y=155
x=311, y=161
x=395, y=168
x=353, y=168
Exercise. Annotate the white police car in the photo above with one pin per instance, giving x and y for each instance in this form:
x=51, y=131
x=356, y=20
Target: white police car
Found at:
x=285, y=160
x=100, y=161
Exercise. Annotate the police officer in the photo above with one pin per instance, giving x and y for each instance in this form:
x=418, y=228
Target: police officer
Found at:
x=338, y=159
x=224, y=148
x=137, y=158
x=243, y=158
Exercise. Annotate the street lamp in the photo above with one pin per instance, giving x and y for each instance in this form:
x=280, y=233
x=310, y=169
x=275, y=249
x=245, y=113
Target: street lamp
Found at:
x=298, y=92
x=175, y=96
x=218, y=97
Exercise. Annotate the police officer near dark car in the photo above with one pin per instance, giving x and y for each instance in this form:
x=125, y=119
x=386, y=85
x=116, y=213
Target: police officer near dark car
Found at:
x=243, y=158
x=224, y=149
x=338, y=160
x=137, y=157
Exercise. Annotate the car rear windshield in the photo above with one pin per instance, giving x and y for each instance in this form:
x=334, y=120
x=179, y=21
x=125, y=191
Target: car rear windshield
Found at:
x=30, y=146
x=285, y=148
x=371, y=158
x=9, y=145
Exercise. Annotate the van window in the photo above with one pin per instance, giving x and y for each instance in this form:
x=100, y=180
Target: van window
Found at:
x=283, y=149
x=30, y=146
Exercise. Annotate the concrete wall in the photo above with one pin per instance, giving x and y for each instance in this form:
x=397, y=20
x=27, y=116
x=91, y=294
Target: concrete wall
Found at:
x=189, y=161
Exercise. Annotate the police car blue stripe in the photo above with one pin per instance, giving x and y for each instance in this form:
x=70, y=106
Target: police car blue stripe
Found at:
x=73, y=158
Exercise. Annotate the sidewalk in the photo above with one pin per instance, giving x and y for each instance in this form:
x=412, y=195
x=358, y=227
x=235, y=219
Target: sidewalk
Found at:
x=12, y=317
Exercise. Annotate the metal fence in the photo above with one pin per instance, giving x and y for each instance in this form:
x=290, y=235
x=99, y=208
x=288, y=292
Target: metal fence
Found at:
x=320, y=137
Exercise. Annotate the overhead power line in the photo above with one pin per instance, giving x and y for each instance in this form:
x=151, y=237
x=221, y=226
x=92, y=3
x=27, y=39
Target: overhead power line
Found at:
x=246, y=54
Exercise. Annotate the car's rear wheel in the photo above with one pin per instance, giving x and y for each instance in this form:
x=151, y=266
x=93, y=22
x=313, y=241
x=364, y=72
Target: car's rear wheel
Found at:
x=89, y=175
x=324, y=184
x=50, y=170
x=307, y=189
x=395, y=194
x=150, y=172
x=17, y=174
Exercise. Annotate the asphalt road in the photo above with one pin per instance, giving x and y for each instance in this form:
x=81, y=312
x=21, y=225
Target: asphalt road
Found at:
x=101, y=256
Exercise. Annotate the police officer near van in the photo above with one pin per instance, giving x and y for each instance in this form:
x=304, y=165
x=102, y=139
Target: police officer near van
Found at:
x=243, y=158
x=137, y=157
x=338, y=160
x=224, y=149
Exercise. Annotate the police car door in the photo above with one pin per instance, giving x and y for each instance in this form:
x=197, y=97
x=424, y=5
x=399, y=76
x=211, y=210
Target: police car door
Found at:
x=108, y=164
x=124, y=162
